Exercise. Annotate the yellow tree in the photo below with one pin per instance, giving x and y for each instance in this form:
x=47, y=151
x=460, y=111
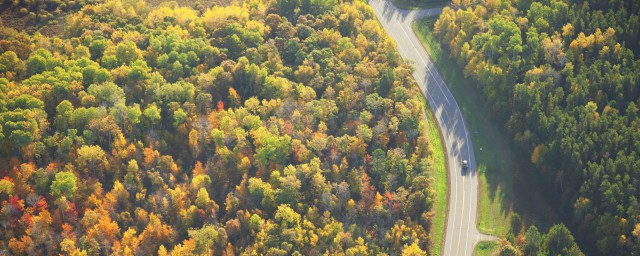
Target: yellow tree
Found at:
x=93, y=160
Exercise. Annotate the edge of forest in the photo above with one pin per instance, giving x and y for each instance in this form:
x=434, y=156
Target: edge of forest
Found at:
x=441, y=165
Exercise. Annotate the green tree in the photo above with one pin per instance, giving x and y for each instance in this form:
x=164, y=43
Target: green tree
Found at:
x=508, y=250
x=107, y=94
x=6, y=187
x=179, y=117
x=92, y=158
x=386, y=82
x=139, y=72
x=39, y=61
x=274, y=149
x=262, y=194
x=152, y=114
x=64, y=184
x=533, y=241
x=126, y=52
x=64, y=110
x=97, y=47
x=209, y=239
x=559, y=241
x=234, y=46
x=25, y=101
x=9, y=61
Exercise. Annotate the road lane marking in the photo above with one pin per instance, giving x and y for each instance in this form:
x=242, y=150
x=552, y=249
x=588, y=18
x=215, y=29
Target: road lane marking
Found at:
x=444, y=113
x=455, y=206
x=437, y=79
x=425, y=64
x=472, y=177
x=462, y=215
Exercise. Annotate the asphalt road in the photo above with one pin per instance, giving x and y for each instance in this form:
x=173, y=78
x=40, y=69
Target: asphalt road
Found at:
x=461, y=230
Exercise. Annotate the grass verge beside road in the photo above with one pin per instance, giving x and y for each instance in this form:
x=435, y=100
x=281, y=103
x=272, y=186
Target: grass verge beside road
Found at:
x=494, y=154
x=419, y=4
x=440, y=176
x=486, y=248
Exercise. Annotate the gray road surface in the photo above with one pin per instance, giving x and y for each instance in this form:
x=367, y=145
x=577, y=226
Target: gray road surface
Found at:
x=461, y=233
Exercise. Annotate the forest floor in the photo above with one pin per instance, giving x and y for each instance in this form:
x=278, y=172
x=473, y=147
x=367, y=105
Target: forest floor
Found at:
x=440, y=176
x=419, y=4
x=501, y=166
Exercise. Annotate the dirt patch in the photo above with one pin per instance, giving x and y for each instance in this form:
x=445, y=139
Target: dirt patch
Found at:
x=10, y=18
x=54, y=29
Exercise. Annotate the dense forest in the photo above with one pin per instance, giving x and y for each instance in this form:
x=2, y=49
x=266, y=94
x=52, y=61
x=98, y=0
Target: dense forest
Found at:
x=37, y=13
x=278, y=128
x=564, y=76
x=557, y=241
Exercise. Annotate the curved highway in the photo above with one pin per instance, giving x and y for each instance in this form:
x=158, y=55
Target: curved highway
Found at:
x=461, y=233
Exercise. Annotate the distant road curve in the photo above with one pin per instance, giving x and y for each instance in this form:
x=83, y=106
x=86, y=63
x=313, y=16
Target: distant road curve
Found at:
x=461, y=231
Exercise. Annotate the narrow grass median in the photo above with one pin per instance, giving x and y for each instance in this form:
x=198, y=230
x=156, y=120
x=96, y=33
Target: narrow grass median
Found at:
x=439, y=174
x=419, y=4
x=494, y=154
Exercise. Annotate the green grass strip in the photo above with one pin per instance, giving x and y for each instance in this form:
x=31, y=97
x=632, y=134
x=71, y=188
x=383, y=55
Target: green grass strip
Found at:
x=486, y=248
x=440, y=176
x=493, y=150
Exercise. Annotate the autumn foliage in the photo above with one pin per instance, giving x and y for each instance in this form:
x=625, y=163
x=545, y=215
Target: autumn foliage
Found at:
x=253, y=128
x=563, y=77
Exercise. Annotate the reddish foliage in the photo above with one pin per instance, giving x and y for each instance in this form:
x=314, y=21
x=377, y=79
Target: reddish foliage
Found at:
x=27, y=219
x=52, y=166
x=42, y=204
x=288, y=127
x=198, y=169
x=233, y=227
x=67, y=230
x=368, y=192
x=220, y=105
x=71, y=211
x=15, y=202
x=391, y=203
x=15, y=171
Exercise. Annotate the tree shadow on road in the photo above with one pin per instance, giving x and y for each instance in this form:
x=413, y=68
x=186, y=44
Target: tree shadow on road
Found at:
x=508, y=180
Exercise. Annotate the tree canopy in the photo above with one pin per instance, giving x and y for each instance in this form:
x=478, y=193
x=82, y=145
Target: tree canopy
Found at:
x=267, y=127
x=563, y=76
